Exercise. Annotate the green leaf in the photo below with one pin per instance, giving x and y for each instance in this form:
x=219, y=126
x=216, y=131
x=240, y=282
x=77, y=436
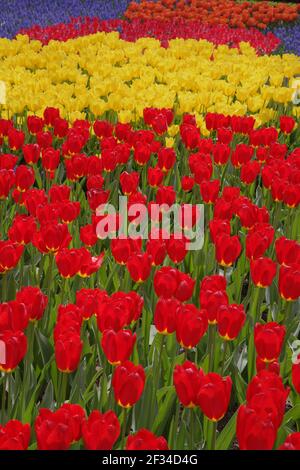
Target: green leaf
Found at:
x=165, y=413
x=292, y=414
x=227, y=434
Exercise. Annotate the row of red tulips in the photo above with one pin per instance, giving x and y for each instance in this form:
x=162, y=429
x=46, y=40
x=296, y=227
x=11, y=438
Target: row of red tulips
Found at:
x=176, y=339
x=159, y=29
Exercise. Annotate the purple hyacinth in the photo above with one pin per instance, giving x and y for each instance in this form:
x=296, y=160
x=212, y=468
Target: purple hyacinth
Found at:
x=290, y=36
x=18, y=14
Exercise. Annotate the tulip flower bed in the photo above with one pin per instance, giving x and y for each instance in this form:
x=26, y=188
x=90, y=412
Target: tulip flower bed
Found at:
x=189, y=75
x=162, y=30
x=141, y=344
x=237, y=14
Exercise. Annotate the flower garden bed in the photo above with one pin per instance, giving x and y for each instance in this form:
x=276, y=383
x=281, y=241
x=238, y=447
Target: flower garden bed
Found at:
x=122, y=326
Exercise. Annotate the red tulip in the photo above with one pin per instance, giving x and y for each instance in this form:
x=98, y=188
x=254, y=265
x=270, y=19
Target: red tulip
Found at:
x=88, y=301
x=210, y=284
x=287, y=251
x=88, y=235
x=268, y=380
x=166, y=159
x=75, y=416
x=103, y=128
x=224, y=135
x=44, y=139
x=187, y=183
x=213, y=303
x=221, y=153
x=50, y=115
x=7, y=181
x=191, y=325
x=228, y=249
x=217, y=227
x=209, y=191
x=170, y=282
x=32, y=153
x=13, y=316
x=190, y=135
x=165, y=315
x=14, y=436
x=268, y=339
x=15, y=139
x=100, y=431
x=123, y=248
x=296, y=374
x=60, y=127
x=53, y=429
x=50, y=161
x=129, y=182
x=154, y=177
x=230, y=319
x=291, y=195
x=142, y=153
x=15, y=347
x=187, y=381
x=176, y=248
x=263, y=271
x=128, y=383
x=156, y=249
x=166, y=195
x=287, y=124
x=24, y=178
x=270, y=366
x=214, y=395
x=119, y=310
x=34, y=300
x=255, y=431
x=256, y=244
x=10, y=254
x=289, y=282
x=68, y=262
x=139, y=266
x=48, y=213
x=35, y=124
x=250, y=171
x=69, y=319
x=118, y=346
x=292, y=442
x=241, y=155
x=146, y=440
x=51, y=237
x=22, y=229
x=69, y=211
x=33, y=199
x=68, y=347
x=96, y=197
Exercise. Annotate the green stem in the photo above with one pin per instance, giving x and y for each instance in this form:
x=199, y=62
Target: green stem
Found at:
x=191, y=429
x=48, y=288
x=254, y=317
x=211, y=346
x=124, y=424
x=63, y=387
x=157, y=371
x=175, y=429
x=213, y=432
x=224, y=357
x=4, y=287
x=3, y=403
x=27, y=365
x=63, y=290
